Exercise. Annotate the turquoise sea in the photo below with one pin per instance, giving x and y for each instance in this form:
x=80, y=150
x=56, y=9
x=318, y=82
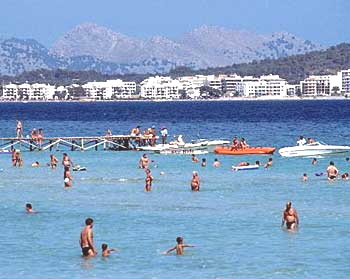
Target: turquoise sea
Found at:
x=234, y=221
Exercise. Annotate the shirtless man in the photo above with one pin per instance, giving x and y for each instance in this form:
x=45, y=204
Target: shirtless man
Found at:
x=87, y=239
x=290, y=217
x=194, y=159
x=143, y=163
x=179, y=247
x=216, y=163
x=235, y=143
x=148, y=180
x=29, y=208
x=19, y=129
x=195, y=182
x=332, y=171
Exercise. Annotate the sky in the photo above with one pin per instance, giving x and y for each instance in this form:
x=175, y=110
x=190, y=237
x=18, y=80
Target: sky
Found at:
x=326, y=22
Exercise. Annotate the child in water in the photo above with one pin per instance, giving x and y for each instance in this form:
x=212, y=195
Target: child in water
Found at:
x=179, y=247
x=304, y=178
x=105, y=251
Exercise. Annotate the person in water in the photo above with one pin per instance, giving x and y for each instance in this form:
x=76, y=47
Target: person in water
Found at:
x=17, y=160
x=195, y=182
x=204, y=162
x=179, y=247
x=29, y=208
x=332, y=171
x=87, y=239
x=314, y=161
x=36, y=164
x=290, y=217
x=148, y=180
x=105, y=251
x=195, y=158
x=53, y=161
x=304, y=178
x=216, y=163
x=269, y=163
x=143, y=163
x=67, y=177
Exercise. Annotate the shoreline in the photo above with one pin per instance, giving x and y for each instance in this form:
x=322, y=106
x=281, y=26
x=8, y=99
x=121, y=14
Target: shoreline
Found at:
x=240, y=99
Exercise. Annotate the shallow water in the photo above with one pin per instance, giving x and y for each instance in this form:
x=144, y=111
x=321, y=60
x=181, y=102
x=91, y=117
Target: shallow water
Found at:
x=234, y=221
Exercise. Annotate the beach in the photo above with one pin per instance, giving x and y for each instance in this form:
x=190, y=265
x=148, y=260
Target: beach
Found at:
x=234, y=221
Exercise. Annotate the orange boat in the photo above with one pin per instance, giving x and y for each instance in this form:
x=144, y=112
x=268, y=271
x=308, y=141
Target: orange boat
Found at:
x=228, y=150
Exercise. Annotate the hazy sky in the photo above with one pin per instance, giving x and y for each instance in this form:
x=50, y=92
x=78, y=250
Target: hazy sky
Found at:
x=322, y=21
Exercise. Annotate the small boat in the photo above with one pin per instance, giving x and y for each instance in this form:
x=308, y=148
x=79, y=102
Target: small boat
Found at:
x=249, y=167
x=312, y=149
x=228, y=150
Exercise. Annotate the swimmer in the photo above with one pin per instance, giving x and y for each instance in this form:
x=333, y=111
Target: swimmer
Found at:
x=304, y=178
x=347, y=159
x=105, y=251
x=332, y=171
x=29, y=208
x=36, y=164
x=314, y=161
x=53, y=162
x=269, y=163
x=257, y=163
x=194, y=159
x=345, y=176
x=67, y=177
x=143, y=163
x=290, y=217
x=17, y=158
x=148, y=180
x=179, y=247
x=242, y=164
x=195, y=182
x=204, y=162
x=66, y=161
x=87, y=239
x=216, y=163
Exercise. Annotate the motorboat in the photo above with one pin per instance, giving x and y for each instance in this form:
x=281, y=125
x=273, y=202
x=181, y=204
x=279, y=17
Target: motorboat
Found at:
x=228, y=150
x=180, y=144
x=312, y=149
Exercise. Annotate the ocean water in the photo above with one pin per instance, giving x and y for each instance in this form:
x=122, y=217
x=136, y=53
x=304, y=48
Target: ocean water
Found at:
x=234, y=221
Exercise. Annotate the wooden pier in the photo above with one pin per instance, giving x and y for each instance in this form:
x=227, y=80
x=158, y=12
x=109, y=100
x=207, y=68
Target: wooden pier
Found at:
x=118, y=142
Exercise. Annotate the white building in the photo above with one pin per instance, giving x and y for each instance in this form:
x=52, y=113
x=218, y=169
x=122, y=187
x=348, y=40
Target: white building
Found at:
x=231, y=85
x=192, y=84
x=345, y=81
x=110, y=89
x=320, y=85
x=122, y=89
x=10, y=92
x=265, y=86
x=160, y=88
x=26, y=91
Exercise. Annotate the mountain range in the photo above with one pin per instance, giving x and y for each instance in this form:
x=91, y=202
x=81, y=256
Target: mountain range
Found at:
x=92, y=47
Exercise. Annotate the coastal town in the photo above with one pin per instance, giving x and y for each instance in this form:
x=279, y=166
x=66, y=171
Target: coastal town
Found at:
x=195, y=87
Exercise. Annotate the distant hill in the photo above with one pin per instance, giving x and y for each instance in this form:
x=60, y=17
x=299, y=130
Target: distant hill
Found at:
x=206, y=46
x=89, y=47
x=293, y=68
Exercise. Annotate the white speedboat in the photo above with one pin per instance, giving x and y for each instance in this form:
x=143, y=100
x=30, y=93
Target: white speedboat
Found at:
x=312, y=149
x=179, y=144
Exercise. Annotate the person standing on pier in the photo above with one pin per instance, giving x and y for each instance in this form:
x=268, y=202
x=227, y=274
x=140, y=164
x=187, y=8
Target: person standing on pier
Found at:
x=164, y=133
x=19, y=129
x=40, y=137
